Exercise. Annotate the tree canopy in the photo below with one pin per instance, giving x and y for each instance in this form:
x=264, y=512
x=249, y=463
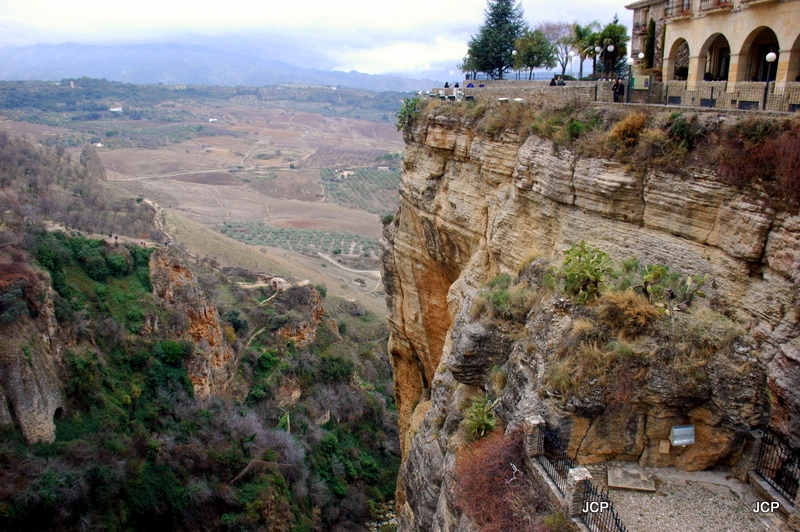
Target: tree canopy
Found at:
x=534, y=50
x=490, y=51
x=560, y=35
x=616, y=35
x=583, y=41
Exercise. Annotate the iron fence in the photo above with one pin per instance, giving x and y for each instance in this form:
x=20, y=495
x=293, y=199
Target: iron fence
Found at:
x=678, y=9
x=709, y=5
x=554, y=459
x=779, y=465
x=599, y=513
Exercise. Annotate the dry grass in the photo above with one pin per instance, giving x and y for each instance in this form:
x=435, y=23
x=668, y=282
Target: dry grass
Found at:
x=703, y=333
x=631, y=340
x=627, y=312
x=510, y=304
x=627, y=131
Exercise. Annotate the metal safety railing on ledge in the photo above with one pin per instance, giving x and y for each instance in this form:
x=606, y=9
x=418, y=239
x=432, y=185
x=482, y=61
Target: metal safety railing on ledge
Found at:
x=779, y=464
x=582, y=499
x=554, y=459
x=605, y=517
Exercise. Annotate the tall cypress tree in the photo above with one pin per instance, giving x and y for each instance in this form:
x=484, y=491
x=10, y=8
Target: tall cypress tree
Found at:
x=490, y=50
x=650, y=43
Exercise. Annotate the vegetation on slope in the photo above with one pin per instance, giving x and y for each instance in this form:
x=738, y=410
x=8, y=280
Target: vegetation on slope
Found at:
x=307, y=441
x=757, y=153
x=629, y=323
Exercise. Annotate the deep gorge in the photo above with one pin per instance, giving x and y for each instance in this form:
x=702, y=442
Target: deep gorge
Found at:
x=481, y=199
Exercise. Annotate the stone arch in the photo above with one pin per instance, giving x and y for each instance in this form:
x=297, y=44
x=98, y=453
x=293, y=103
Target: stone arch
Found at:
x=793, y=73
x=755, y=48
x=678, y=60
x=715, y=58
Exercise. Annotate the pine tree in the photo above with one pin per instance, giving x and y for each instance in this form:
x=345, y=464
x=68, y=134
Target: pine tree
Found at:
x=490, y=50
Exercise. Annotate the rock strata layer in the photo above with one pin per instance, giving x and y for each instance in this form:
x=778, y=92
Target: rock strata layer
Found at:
x=473, y=206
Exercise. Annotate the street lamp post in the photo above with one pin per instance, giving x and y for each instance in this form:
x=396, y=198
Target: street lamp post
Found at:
x=629, y=62
x=571, y=57
x=771, y=57
x=514, y=60
x=641, y=57
x=610, y=59
x=597, y=50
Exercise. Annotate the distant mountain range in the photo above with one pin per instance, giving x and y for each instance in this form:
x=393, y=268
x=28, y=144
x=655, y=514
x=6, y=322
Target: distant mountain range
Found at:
x=178, y=64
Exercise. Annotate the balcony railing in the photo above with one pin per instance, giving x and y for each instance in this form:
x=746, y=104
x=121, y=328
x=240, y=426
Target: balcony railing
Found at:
x=757, y=1
x=715, y=5
x=639, y=28
x=678, y=9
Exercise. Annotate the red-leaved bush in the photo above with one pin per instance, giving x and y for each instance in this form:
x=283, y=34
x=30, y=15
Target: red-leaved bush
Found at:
x=759, y=154
x=490, y=493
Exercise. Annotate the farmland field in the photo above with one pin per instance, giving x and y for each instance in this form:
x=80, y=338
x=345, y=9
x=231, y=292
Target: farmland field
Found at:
x=258, y=158
x=302, y=240
x=367, y=189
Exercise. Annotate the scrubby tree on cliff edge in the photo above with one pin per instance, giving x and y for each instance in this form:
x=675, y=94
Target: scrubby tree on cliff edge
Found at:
x=490, y=50
x=534, y=50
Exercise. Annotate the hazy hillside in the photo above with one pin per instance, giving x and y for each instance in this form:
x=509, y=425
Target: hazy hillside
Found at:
x=177, y=64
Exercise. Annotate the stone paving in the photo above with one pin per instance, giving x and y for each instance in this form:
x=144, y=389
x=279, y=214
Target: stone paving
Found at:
x=706, y=501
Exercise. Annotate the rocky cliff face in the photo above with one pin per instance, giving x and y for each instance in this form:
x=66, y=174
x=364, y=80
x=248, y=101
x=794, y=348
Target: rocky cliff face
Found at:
x=473, y=206
x=30, y=355
x=213, y=366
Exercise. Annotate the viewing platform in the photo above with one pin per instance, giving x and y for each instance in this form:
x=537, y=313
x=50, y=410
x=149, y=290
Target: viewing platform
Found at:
x=742, y=95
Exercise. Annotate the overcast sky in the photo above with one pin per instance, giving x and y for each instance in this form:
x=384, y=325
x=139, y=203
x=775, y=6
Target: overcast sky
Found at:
x=409, y=37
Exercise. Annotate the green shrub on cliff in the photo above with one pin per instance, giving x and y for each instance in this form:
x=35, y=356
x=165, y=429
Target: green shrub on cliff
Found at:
x=586, y=271
x=408, y=113
x=502, y=300
x=478, y=418
x=644, y=324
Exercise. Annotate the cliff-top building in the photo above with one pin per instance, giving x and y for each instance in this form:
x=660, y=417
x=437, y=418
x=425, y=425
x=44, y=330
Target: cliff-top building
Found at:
x=721, y=40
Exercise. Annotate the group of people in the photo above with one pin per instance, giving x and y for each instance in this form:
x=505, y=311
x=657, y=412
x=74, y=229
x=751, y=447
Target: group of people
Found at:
x=470, y=85
x=557, y=82
x=618, y=90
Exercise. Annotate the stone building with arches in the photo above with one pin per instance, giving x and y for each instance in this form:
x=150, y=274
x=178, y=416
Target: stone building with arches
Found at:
x=724, y=45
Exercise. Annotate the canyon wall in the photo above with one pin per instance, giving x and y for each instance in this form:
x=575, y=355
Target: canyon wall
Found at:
x=213, y=366
x=474, y=205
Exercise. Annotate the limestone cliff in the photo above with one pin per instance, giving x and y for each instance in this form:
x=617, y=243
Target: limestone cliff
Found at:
x=474, y=205
x=30, y=353
x=213, y=366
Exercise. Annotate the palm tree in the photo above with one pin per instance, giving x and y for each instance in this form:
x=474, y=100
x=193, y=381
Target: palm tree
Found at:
x=583, y=40
x=616, y=35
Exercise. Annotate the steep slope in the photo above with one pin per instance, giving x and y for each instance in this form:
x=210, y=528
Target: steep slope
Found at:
x=142, y=388
x=481, y=198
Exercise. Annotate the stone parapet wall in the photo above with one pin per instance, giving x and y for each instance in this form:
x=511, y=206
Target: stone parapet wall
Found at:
x=744, y=95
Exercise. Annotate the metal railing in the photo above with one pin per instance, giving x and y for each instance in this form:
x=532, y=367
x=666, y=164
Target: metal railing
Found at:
x=710, y=5
x=779, y=465
x=639, y=28
x=605, y=518
x=554, y=459
x=678, y=9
